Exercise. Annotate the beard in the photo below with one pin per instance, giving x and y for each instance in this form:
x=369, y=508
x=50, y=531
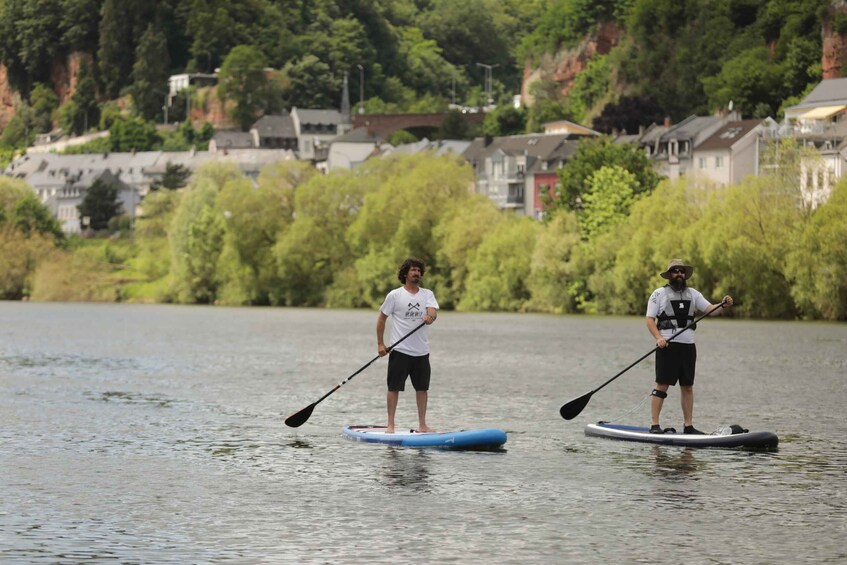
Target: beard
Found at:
x=678, y=284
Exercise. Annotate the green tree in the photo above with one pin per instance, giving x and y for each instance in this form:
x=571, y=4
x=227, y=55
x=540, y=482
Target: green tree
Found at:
x=458, y=234
x=79, y=24
x=36, y=29
x=547, y=106
x=747, y=80
x=505, y=120
x=607, y=201
x=454, y=126
x=310, y=84
x=499, y=270
x=427, y=70
x=176, y=176
x=817, y=263
x=44, y=103
x=20, y=131
x=114, y=55
x=196, y=235
x=592, y=154
x=314, y=249
x=554, y=280
x=99, y=205
x=628, y=115
x=150, y=74
x=30, y=217
x=256, y=218
x=242, y=79
x=133, y=134
x=81, y=111
x=399, y=217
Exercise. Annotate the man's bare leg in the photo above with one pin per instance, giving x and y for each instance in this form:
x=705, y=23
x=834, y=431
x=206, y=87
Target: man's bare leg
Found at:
x=392, y=398
x=421, y=397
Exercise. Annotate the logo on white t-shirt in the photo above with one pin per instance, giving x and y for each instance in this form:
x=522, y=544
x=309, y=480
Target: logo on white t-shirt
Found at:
x=414, y=310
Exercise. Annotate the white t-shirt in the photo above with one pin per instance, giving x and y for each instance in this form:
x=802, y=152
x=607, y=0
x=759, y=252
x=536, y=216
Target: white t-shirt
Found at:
x=659, y=303
x=407, y=311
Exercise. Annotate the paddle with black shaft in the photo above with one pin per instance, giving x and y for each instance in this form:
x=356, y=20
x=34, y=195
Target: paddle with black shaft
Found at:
x=298, y=419
x=572, y=409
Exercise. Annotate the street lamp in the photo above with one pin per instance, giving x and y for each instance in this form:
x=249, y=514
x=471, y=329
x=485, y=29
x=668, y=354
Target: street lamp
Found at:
x=361, y=89
x=488, y=80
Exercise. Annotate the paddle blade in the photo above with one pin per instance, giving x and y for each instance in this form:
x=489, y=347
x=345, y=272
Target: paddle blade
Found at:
x=298, y=419
x=572, y=409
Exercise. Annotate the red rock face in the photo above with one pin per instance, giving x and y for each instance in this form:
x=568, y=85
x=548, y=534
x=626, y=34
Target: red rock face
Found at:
x=834, y=54
x=564, y=65
x=7, y=99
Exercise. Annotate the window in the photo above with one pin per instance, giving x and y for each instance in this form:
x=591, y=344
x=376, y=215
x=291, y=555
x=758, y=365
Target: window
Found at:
x=701, y=163
x=719, y=162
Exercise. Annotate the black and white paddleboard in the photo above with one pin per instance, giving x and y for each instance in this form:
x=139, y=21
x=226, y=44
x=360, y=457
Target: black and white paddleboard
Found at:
x=750, y=440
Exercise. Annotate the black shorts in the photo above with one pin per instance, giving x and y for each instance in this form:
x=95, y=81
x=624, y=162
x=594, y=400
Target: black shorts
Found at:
x=401, y=366
x=676, y=362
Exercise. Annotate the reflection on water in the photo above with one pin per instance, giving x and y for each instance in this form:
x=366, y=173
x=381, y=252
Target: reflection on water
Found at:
x=676, y=463
x=406, y=468
x=156, y=435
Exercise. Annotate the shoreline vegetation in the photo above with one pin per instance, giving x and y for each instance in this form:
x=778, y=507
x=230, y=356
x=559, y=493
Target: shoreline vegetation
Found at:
x=295, y=237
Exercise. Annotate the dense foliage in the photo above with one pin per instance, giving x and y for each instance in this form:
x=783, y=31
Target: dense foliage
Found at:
x=672, y=57
x=300, y=238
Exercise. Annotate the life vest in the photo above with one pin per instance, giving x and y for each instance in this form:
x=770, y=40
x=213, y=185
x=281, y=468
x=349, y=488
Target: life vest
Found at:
x=679, y=310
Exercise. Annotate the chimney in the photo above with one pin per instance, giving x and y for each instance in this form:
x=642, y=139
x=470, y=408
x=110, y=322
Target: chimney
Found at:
x=667, y=121
x=487, y=140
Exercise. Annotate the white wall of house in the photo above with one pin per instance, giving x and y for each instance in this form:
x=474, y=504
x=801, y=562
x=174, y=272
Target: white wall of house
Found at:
x=344, y=155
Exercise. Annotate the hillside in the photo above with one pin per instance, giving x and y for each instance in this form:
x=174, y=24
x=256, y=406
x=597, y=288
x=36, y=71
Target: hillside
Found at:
x=613, y=64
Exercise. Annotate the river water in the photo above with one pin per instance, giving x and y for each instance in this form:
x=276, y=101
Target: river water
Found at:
x=155, y=434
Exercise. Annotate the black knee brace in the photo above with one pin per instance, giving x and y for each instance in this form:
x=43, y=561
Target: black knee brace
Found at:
x=659, y=393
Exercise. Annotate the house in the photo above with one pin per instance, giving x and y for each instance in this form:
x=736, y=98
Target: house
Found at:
x=544, y=173
x=731, y=153
x=249, y=161
x=274, y=132
x=62, y=191
x=353, y=148
x=567, y=127
x=60, y=181
x=316, y=128
x=226, y=140
x=672, y=149
x=185, y=80
x=438, y=147
x=506, y=168
x=820, y=121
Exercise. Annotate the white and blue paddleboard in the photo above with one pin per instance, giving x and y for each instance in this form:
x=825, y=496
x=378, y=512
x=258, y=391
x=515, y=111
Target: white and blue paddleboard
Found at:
x=746, y=439
x=478, y=440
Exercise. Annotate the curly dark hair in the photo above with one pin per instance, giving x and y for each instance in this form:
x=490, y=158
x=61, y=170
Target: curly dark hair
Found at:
x=408, y=264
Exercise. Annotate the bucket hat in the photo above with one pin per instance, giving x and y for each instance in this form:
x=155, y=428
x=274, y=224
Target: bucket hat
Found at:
x=677, y=263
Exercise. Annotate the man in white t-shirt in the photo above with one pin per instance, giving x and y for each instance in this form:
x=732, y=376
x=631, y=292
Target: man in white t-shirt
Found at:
x=670, y=309
x=409, y=306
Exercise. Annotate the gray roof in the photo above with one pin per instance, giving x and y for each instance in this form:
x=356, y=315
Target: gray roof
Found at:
x=690, y=127
x=728, y=135
x=358, y=135
x=275, y=126
x=250, y=161
x=325, y=117
x=653, y=134
x=439, y=147
x=535, y=145
x=829, y=92
x=130, y=167
x=228, y=139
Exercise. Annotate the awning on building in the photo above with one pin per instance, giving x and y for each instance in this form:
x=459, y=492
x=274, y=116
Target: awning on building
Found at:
x=821, y=112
